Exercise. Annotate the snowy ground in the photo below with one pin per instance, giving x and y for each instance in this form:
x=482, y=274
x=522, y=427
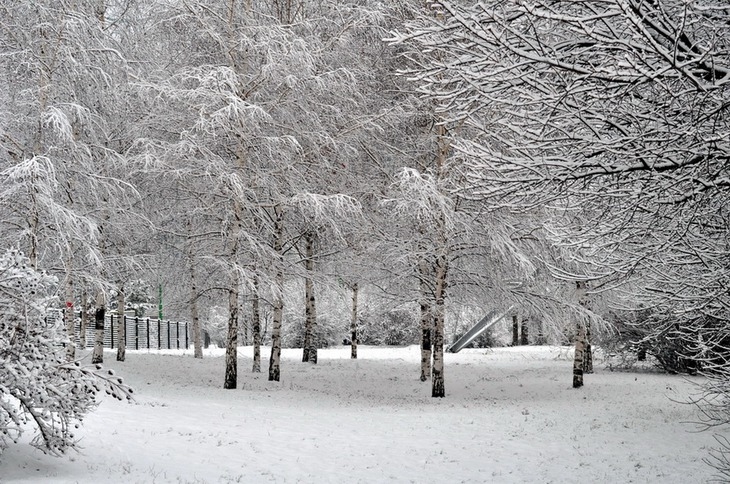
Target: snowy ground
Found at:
x=509, y=416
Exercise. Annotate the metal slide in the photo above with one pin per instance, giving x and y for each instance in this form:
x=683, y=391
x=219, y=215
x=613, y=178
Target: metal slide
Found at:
x=490, y=319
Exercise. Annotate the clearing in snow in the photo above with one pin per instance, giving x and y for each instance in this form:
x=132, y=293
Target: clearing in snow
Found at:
x=510, y=415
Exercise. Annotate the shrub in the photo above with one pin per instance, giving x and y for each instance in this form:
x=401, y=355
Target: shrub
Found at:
x=37, y=385
x=397, y=327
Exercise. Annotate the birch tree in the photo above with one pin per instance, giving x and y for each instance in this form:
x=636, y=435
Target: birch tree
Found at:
x=615, y=115
x=260, y=120
x=624, y=132
x=64, y=75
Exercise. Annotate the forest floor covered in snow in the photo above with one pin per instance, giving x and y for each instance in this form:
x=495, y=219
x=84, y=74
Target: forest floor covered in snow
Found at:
x=510, y=415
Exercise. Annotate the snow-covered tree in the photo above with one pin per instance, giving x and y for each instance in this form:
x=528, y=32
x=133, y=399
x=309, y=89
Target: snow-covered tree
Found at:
x=612, y=115
x=615, y=109
x=39, y=387
x=64, y=77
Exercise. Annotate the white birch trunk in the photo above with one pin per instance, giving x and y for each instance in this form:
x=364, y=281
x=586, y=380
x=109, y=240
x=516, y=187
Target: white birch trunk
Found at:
x=426, y=343
x=426, y=322
x=437, y=373
x=97, y=355
x=310, y=325
x=584, y=300
x=84, y=318
x=588, y=356
x=256, y=327
x=579, y=355
x=68, y=316
x=580, y=338
x=122, y=343
x=524, y=339
x=194, y=315
x=231, y=377
x=275, y=357
x=353, y=323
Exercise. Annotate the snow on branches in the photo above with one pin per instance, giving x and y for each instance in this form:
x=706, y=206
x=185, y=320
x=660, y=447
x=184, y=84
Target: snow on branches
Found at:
x=38, y=386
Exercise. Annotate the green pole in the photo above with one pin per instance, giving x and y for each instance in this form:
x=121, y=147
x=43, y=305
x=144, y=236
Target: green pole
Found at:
x=159, y=305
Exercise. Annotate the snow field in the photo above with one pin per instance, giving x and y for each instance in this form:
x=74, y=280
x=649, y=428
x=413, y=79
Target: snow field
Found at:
x=509, y=416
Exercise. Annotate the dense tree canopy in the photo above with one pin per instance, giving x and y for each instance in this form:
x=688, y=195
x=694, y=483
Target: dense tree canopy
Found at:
x=280, y=167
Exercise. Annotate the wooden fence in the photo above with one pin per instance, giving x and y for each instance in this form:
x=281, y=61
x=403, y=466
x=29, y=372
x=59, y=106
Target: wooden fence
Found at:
x=141, y=333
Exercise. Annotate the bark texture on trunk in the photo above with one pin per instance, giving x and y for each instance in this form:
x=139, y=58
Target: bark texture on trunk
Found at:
x=426, y=343
x=97, y=355
x=122, y=343
x=438, y=388
x=256, y=327
x=427, y=321
x=580, y=338
x=194, y=315
x=588, y=356
x=579, y=355
x=524, y=338
x=584, y=300
x=437, y=374
x=275, y=357
x=310, y=311
x=68, y=317
x=84, y=318
x=231, y=377
x=353, y=323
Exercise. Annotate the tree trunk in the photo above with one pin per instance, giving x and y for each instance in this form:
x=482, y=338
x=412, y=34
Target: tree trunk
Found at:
x=426, y=343
x=580, y=337
x=256, y=323
x=194, y=316
x=68, y=316
x=353, y=323
x=84, y=318
x=583, y=300
x=588, y=356
x=122, y=343
x=97, y=355
x=231, y=377
x=524, y=339
x=579, y=354
x=244, y=332
x=438, y=382
x=310, y=325
x=515, y=330
x=540, y=333
x=275, y=357
x=426, y=322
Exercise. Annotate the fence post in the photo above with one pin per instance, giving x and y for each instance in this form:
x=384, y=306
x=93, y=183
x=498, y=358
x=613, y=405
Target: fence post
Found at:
x=187, y=342
x=111, y=332
x=148, y=333
x=177, y=333
x=159, y=334
x=168, y=335
x=136, y=333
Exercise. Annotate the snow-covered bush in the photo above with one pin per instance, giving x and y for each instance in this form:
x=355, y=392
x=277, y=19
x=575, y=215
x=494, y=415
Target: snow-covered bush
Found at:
x=677, y=341
x=395, y=327
x=328, y=332
x=139, y=297
x=38, y=386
